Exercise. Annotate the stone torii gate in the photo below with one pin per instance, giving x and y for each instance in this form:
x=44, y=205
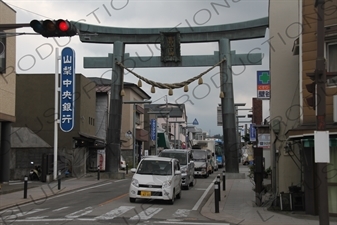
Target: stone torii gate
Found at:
x=170, y=39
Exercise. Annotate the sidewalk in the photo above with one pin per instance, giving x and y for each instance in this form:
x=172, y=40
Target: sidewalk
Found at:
x=237, y=206
x=12, y=194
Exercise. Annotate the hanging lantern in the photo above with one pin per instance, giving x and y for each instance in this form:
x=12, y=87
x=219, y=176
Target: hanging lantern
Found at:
x=122, y=92
x=186, y=88
x=140, y=83
x=200, y=81
x=170, y=91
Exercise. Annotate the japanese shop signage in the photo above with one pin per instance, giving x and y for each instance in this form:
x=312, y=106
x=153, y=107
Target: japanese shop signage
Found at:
x=67, y=89
x=263, y=84
x=153, y=129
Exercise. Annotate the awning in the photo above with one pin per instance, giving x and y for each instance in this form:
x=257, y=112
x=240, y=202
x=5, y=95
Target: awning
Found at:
x=142, y=135
x=310, y=142
x=163, y=141
x=308, y=130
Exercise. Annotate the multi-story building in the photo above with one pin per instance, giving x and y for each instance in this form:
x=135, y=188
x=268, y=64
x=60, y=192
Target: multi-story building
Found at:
x=132, y=118
x=33, y=131
x=7, y=88
x=293, y=54
x=172, y=120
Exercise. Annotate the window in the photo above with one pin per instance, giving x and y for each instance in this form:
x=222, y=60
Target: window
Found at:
x=137, y=118
x=332, y=181
x=331, y=61
x=2, y=55
x=332, y=57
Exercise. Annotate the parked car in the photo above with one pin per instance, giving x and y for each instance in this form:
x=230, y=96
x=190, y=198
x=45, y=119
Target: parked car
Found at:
x=156, y=178
x=186, y=164
x=122, y=164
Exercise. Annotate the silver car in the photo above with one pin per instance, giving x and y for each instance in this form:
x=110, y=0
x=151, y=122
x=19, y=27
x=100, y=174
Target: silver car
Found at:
x=186, y=164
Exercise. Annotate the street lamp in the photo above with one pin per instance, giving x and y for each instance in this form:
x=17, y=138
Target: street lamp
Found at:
x=156, y=113
x=134, y=125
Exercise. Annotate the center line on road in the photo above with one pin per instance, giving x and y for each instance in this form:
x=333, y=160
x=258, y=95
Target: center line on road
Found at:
x=196, y=206
x=111, y=200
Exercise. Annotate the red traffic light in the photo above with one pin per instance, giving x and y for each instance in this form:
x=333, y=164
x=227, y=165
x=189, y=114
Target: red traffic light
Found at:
x=53, y=28
x=63, y=25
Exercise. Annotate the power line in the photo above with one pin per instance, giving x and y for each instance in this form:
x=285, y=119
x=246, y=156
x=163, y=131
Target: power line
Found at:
x=26, y=10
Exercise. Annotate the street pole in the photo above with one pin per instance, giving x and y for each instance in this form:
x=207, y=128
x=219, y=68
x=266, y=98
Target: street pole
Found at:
x=56, y=110
x=156, y=138
x=134, y=135
x=320, y=78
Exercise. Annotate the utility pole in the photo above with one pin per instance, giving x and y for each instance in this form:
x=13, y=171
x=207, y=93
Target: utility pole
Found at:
x=320, y=79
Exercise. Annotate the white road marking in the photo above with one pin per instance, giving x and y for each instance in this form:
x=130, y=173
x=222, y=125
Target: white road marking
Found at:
x=181, y=213
x=56, y=210
x=11, y=217
x=36, y=217
x=117, y=212
x=146, y=214
x=79, y=213
x=196, y=206
x=44, y=220
x=114, y=213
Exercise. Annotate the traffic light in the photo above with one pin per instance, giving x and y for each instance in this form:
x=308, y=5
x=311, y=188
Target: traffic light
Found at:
x=311, y=100
x=54, y=28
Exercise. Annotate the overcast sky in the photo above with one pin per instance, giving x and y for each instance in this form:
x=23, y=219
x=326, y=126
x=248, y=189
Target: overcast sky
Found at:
x=36, y=54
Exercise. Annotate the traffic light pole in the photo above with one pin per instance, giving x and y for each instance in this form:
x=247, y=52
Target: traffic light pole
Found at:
x=320, y=78
x=56, y=112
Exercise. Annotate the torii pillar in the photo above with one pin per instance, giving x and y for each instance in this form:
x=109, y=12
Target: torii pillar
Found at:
x=228, y=109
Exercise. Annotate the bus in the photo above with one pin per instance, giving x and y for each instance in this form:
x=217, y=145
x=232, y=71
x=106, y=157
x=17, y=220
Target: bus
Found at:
x=220, y=153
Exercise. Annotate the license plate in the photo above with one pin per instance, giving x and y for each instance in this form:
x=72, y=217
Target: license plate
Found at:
x=145, y=193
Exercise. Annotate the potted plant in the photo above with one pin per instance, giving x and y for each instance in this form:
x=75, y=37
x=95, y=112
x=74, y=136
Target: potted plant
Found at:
x=268, y=172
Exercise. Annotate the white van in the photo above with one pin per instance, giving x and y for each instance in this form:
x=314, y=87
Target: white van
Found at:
x=156, y=178
x=186, y=164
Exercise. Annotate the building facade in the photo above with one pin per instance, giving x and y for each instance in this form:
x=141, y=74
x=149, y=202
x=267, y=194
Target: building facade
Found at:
x=132, y=118
x=33, y=131
x=7, y=88
x=171, y=124
x=293, y=54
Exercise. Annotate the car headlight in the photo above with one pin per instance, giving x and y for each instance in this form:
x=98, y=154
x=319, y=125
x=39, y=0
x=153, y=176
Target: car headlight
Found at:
x=183, y=169
x=135, y=183
x=167, y=183
x=203, y=169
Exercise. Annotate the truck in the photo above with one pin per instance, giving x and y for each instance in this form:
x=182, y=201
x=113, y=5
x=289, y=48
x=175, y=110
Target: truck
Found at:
x=202, y=166
x=210, y=147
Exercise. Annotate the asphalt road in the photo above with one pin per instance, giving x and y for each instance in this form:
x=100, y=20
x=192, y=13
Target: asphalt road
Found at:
x=108, y=203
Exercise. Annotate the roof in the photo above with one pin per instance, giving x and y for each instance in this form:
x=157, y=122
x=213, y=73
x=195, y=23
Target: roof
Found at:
x=103, y=85
x=176, y=110
x=157, y=158
x=8, y=6
x=176, y=150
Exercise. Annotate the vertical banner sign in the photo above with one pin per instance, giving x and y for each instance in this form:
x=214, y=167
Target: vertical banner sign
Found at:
x=101, y=159
x=153, y=129
x=67, y=89
x=252, y=132
x=263, y=84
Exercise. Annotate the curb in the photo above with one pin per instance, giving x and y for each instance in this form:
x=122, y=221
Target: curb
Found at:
x=62, y=191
